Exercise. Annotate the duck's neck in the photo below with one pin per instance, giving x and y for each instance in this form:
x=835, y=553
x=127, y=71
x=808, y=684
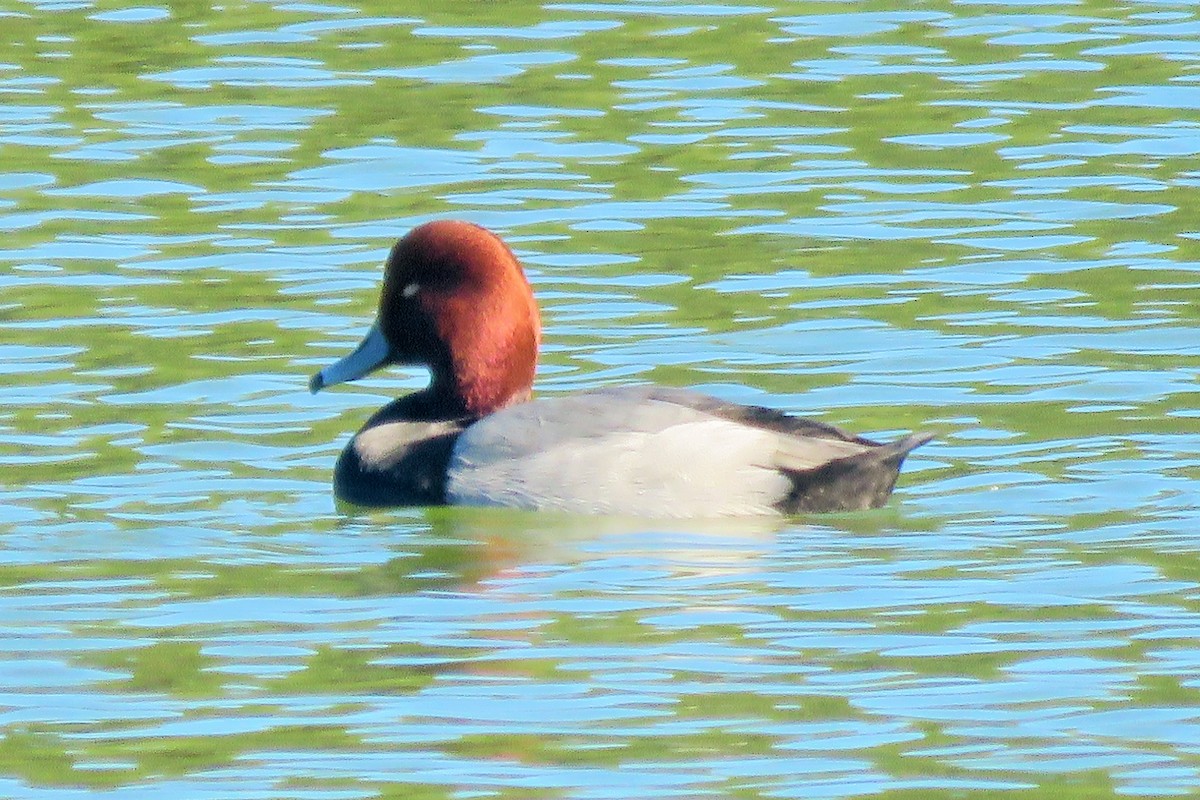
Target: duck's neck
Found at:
x=475, y=395
x=444, y=400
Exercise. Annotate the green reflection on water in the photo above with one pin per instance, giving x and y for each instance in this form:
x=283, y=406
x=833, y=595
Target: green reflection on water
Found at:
x=744, y=202
x=171, y=667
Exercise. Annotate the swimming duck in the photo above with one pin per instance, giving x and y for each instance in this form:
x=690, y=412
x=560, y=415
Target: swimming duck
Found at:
x=456, y=301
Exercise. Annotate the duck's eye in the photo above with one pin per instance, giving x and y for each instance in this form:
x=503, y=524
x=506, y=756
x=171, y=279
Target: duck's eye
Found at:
x=410, y=290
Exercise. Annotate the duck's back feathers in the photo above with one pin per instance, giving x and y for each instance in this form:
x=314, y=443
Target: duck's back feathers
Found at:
x=652, y=451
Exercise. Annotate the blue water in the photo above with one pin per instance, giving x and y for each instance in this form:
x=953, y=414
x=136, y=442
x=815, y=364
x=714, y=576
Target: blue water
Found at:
x=971, y=219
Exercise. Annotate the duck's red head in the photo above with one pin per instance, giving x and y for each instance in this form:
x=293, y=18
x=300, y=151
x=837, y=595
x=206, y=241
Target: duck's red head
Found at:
x=456, y=300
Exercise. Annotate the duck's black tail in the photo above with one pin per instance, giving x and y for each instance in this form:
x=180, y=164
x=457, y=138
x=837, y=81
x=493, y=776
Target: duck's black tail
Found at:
x=860, y=481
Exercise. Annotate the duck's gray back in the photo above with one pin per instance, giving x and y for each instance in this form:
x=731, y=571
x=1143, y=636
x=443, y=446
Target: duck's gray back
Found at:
x=643, y=451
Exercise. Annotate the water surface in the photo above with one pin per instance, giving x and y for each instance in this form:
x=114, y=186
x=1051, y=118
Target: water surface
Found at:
x=973, y=218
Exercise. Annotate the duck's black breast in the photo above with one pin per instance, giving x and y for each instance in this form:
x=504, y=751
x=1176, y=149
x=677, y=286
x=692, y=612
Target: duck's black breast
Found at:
x=395, y=460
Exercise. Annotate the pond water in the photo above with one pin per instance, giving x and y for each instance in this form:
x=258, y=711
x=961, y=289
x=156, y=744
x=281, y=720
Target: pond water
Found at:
x=972, y=218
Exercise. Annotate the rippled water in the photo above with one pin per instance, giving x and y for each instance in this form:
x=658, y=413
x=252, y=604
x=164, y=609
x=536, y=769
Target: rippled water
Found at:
x=972, y=218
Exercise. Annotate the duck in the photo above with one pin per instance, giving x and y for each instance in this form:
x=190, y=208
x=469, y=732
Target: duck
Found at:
x=456, y=300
